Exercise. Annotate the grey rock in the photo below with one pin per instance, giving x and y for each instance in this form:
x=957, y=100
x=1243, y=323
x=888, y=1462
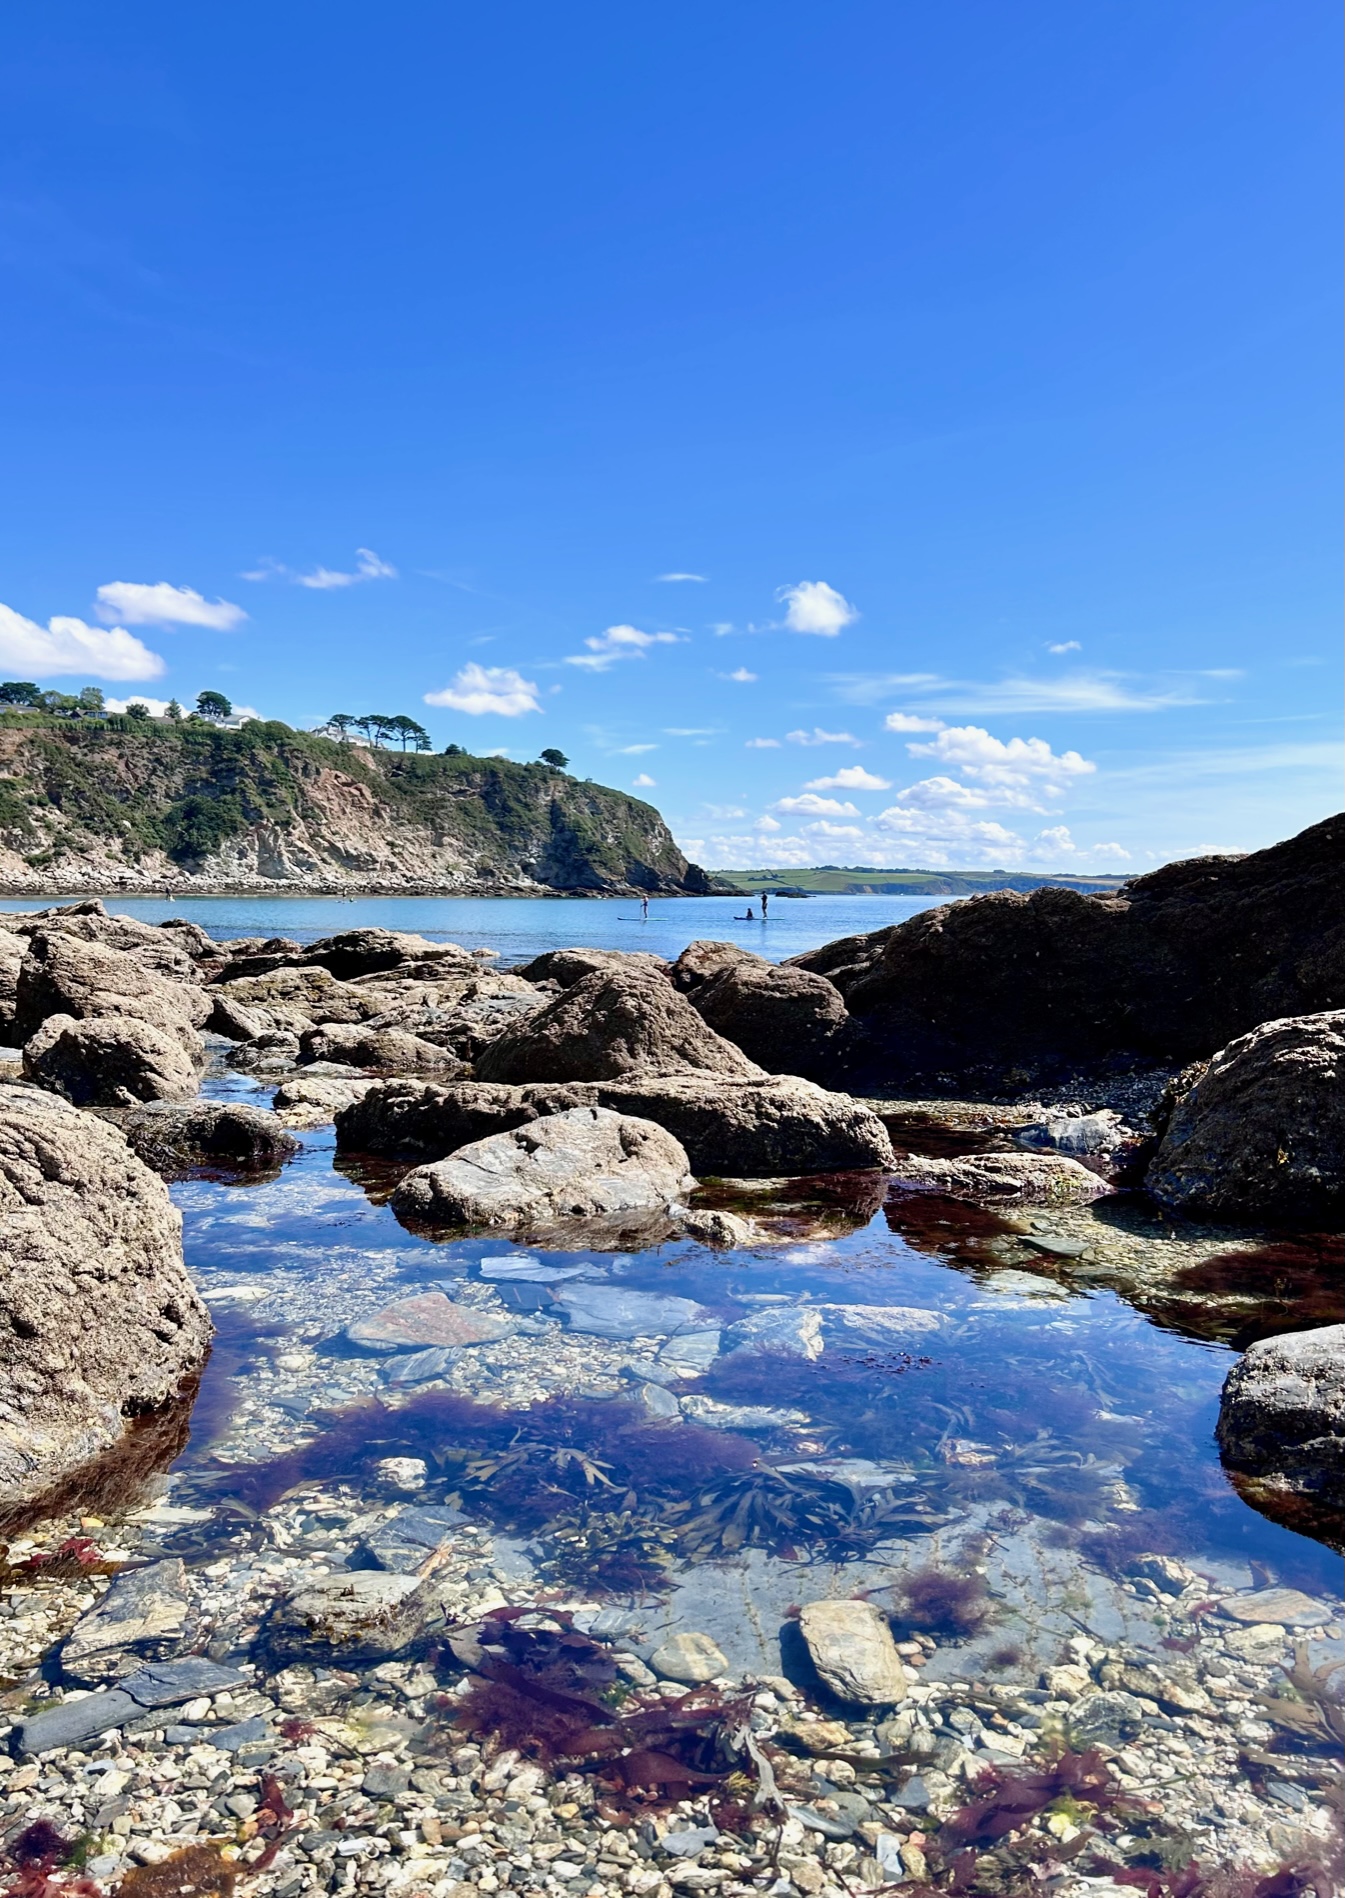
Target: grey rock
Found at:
x=385, y=1782
x=358, y=1616
x=426, y=1319
x=244, y=1733
x=387, y=1050
x=1103, y=1719
x=794, y=1331
x=165, y=1683
x=221, y=1137
x=578, y=1165
x=609, y=1311
x=656, y=1402
x=757, y=1128
x=690, y=1352
x=851, y=1646
x=143, y=1612
x=274, y=1051
x=531, y=1271
x=1288, y=1606
x=1021, y=1179
x=1282, y=1413
x=422, y=1367
x=98, y=1316
x=62, y=974
x=914, y=1795
x=687, y=1841
x=72, y=1723
x=412, y=1541
x=888, y=1327
x=690, y=1658
x=832, y=1825
x=565, y=967
x=112, y=1061
x=1261, y=1135
x=612, y=1023
x=313, y=1100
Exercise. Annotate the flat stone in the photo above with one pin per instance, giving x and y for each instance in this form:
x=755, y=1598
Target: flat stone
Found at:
x=142, y=1607
x=656, y=1401
x=1012, y=1284
x=243, y=1733
x=164, y=1683
x=608, y=1311
x=356, y=1616
x=1103, y=1719
x=532, y=1271
x=794, y=1331
x=422, y=1367
x=1263, y=1641
x=690, y=1351
x=385, y=1782
x=73, y=1722
x=427, y=1319
x=891, y=1327
x=712, y=1415
x=851, y=1646
x=913, y=1797
x=689, y=1658
x=1057, y=1248
x=1287, y=1606
x=413, y=1541
x=688, y=1840
x=832, y=1825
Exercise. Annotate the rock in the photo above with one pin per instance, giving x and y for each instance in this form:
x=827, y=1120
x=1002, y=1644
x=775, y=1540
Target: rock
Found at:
x=1168, y=1575
x=63, y=975
x=424, y=1118
x=786, y=1020
x=229, y=1018
x=313, y=1100
x=274, y=1051
x=792, y=1331
x=12, y=951
x=98, y=1317
x=389, y=1049
x=611, y=1024
x=422, y=1367
x=1067, y=1682
x=385, y=1782
x=1005, y=989
x=1282, y=1413
x=243, y=1733
x=688, y=1353
x=112, y=1061
x=1102, y=1142
x=357, y=952
x=143, y=1614
x=687, y=1841
x=416, y=1540
x=364, y=1615
x=565, y=967
x=166, y=1683
x=576, y=1165
x=1263, y=1643
x=851, y=1646
x=1288, y=1606
x=689, y=1658
x=1024, y=1179
x=711, y=1227
x=223, y=1138
x=1103, y=1719
x=889, y=1327
x=609, y=1311
x=657, y=1402
x=427, y=1319
x=1261, y=1135
x=72, y=1722
x=297, y=997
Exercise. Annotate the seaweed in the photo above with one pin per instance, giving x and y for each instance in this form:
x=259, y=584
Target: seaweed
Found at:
x=197, y=1871
x=33, y=1857
x=943, y=1601
x=1315, y=1715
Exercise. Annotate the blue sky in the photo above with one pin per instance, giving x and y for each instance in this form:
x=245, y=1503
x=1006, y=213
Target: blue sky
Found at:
x=881, y=433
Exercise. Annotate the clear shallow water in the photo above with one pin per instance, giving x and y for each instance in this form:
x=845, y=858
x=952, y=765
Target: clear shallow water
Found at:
x=523, y=927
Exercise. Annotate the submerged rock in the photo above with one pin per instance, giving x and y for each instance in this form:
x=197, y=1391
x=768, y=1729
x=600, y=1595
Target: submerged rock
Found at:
x=1261, y=1135
x=613, y=1023
x=1282, y=1413
x=691, y=1659
x=1025, y=1179
x=851, y=1646
x=365, y=1615
x=576, y=1165
x=793, y=1331
x=412, y=1324
x=99, y=1320
x=112, y=1061
x=142, y=1615
x=610, y=1311
x=220, y=1137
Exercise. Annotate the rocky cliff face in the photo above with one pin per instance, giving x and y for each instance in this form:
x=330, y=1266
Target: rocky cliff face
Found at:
x=92, y=808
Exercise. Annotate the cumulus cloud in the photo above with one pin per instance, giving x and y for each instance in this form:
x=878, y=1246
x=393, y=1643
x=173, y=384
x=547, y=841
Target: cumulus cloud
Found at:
x=819, y=737
x=763, y=744
x=823, y=829
x=1017, y=770
x=699, y=578
x=66, y=645
x=939, y=835
x=1114, y=853
x=814, y=607
x=368, y=566
x=618, y=642
x=741, y=677
x=644, y=782
x=850, y=777
x=911, y=722
x=810, y=805
x=487, y=689
x=767, y=823
x=131, y=603
x=1066, y=645
x=1057, y=840
x=633, y=751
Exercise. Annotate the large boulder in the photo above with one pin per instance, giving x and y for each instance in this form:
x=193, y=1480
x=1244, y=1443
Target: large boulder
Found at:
x=62, y=974
x=789, y=1021
x=110, y=1061
x=296, y=996
x=1023, y=1179
x=99, y=1320
x=389, y=1050
x=357, y=952
x=609, y=1025
x=467, y=1024
x=565, y=967
x=168, y=955
x=758, y=1128
x=1261, y=1135
x=224, y=1139
x=1006, y=989
x=1282, y=1413
x=584, y=1164
x=12, y=951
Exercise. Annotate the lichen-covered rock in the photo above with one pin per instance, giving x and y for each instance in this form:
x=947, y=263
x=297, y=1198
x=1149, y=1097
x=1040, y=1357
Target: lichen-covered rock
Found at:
x=565, y=967
x=583, y=1164
x=613, y=1023
x=221, y=1138
x=786, y=1020
x=1261, y=1135
x=1025, y=1179
x=62, y=974
x=98, y=1318
x=387, y=1050
x=851, y=1646
x=1282, y=1413
x=297, y=997
x=314, y=1100
x=350, y=1617
x=112, y=1061
x=169, y=954
x=356, y=952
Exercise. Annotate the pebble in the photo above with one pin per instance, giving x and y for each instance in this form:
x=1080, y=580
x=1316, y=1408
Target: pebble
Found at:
x=426, y=1319
x=690, y=1658
x=1287, y=1606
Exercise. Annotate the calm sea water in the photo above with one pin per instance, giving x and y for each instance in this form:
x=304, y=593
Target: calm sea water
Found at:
x=522, y=927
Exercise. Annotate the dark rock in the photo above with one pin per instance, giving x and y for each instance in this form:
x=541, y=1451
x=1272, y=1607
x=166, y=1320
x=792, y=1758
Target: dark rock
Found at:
x=357, y=952
x=244, y=1733
x=362, y=1615
x=1261, y=1135
x=1006, y=989
x=385, y=1782
x=111, y=1061
x=389, y=1050
x=143, y=1614
x=611, y=1024
x=787, y=1020
x=412, y=1541
x=61, y=974
x=218, y=1137
x=166, y=1683
x=1103, y=1719
x=565, y=967
x=274, y=1051
x=99, y=1320
x=1282, y=1413
x=71, y=1723
x=429, y=1120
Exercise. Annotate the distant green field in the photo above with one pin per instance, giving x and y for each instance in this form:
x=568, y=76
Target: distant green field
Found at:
x=861, y=880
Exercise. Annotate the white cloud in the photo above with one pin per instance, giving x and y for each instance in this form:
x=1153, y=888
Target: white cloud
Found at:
x=1066, y=645
x=936, y=835
x=721, y=628
x=824, y=829
x=1075, y=692
x=368, y=566
x=618, y=642
x=723, y=813
x=644, y=782
x=819, y=737
x=1017, y=770
x=700, y=578
x=810, y=805
x=945, y=794
x=911, y=722
x=741, y=677
x=767, y=824
x=480, y=689
x=691, y=731
x=633, y=751
x=851, y=777
x=66, y=645
x=1058, y=840
x=131, y=603
x=763, y=744
x=814, y=607
x=1114, y=853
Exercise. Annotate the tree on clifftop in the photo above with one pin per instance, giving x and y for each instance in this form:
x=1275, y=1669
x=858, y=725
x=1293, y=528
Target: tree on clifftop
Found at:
x=20, y=692
x=213, y=705
x=556, y=759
